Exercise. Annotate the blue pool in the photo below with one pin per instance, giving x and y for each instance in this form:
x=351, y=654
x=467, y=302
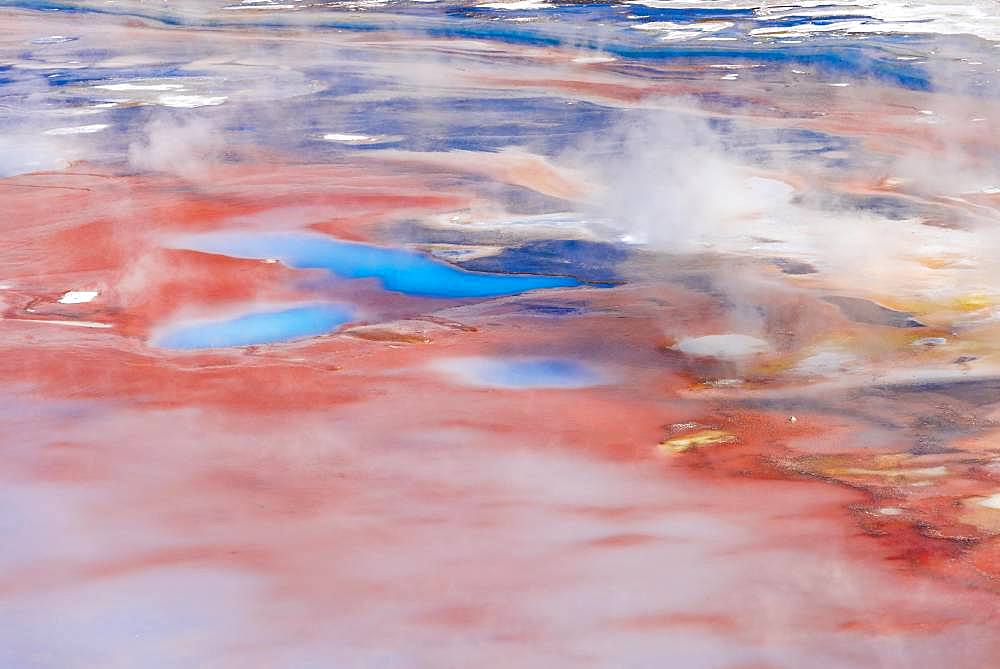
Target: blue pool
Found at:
x=260, y=327
x=398, y=270
x=521, y=372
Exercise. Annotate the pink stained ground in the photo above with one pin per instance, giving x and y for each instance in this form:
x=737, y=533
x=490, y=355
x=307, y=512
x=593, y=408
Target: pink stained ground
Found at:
x=338, y=500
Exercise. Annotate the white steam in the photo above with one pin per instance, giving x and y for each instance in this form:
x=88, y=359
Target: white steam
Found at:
x=185, y=148
x=669, y=183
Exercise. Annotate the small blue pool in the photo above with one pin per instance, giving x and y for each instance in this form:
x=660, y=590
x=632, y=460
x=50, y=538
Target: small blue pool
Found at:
x=260, y=327
x=521, y=372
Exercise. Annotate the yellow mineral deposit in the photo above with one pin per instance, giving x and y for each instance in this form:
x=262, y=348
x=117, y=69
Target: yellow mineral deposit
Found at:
x=686, y=442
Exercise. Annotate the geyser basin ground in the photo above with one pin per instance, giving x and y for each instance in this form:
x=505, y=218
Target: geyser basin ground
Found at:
x=712, y=382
